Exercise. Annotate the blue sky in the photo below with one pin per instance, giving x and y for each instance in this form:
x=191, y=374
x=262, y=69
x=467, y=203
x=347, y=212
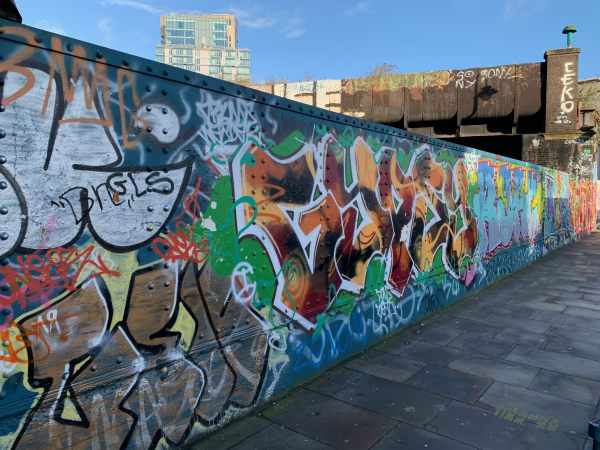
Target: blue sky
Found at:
x=342, y=39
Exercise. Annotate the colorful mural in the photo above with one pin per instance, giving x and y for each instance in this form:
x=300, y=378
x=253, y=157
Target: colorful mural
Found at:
x=176, y=250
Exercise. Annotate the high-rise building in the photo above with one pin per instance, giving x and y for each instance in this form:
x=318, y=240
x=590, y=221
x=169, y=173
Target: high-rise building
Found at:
x=205, y=44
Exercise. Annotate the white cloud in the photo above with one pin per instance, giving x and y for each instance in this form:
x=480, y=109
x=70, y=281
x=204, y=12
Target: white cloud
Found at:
x=253, y=18
x=293, y=26
x=289, y=24
x=105, y=27
x=295, y=33
x=511, y=7
x=522, y=8
x=136, y=5
x=50, y=26
x=358, y=8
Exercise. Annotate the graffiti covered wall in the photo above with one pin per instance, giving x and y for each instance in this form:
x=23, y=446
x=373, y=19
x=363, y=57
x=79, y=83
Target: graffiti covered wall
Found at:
x=176, y=250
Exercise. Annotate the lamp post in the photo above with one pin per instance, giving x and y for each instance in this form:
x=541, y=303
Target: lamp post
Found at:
x=569, y=30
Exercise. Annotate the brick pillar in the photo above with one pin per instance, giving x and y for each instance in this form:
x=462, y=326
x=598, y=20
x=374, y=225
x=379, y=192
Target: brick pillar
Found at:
x=561, y=90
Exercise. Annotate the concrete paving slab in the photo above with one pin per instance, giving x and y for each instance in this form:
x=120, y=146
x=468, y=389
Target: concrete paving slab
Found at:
x=549, y=316
x=393, y=400
x=568, y=387
x=557, y=362
x=483, y=429
x=549, y=304
x=582, y=322
x=529, y=325
x=277, y=437
x=431, y=353
x=569, y=416
x=585, y=303
x=449, y=383
x=334, y=380
x=586, y=350
x=329, y=420
x=583, y=312
x=523, y=337
x=385, y=365
x=472, y=326
x=496, y=369
x=407, y=437
x=483, y=346
x=439, y=335
x=578, y=334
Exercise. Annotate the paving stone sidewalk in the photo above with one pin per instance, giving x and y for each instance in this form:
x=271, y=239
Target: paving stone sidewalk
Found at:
x=516, y=366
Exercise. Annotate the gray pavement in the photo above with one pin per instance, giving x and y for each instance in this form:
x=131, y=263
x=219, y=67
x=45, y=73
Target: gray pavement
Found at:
x=516, y=366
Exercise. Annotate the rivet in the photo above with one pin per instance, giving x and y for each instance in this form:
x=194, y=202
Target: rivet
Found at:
x=2, y=108
x=165, y=73
x=165, y=131
x=149, y=129
x=204, y=83
x=98, y=55
x=94, y=368
x=165, y=110
x=167, y=284
x=223, y=88
x=2, y=159
x=150, y=286
x=150, y=227
x=119, y=359
x=148, y=108
x=166, y=308
x=4, y=235
x=166, y=190
x=165, y=150
x=4, y=374
x=3, y=185
x=126, y=63
x=70, y=47
x=148, y=88
x=150, y=208
x=163, y=92
x=186, y=77
x=3, y=210
x=149, y=69
x=4, y=261
x=5, y=343
x=6, y=311
x=37, y=39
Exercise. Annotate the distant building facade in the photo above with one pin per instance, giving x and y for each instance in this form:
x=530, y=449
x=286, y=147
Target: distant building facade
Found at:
x=205, y=44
